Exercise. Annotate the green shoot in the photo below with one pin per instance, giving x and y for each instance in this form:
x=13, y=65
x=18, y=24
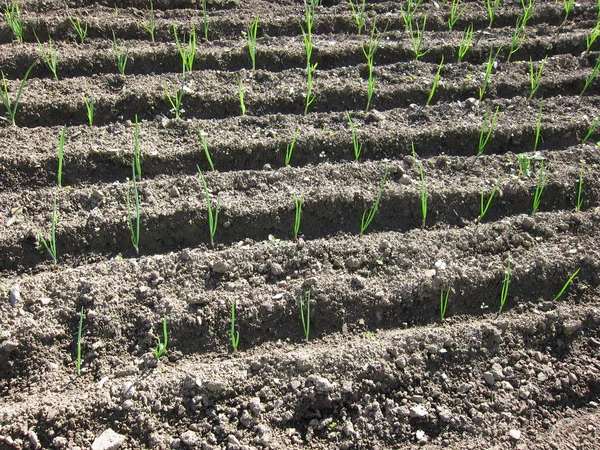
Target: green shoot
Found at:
x=369, y=52
x=465, y=42
x=89, y=106
x=134, y=230
x=492, y=7
x=177, y=97
x=150, y=27
x=310, y=96
x=121, y=58
x=443, y=303
x=356, y=144
x=213, y=216
x=358, y=12
x=535, y=76
x=11, y=107
x=484, y=206
x=187, y=53
x=49, y=56
x=564, y=288
x=79, y=340
x=542, y=180
x=205, y=20
x=524, y=163
x=568, y=4
x=205, y=147
x=592, y=128
x=309, y=12
x=298, y=215
x=81, y=30
x=423, y=195
x=251, y=37
x=13, y=18
x=50, y=244
x=591, y=77
x=591, y=38
x=580, y=187
x=491, y=62
x=234, y=335
x=538, y=126
x=136, y=150
x=436, y=80
x=484, y=136
x=161, y=345
x=369, y=215
x=505, y=285
x=416, y=37
x=520, y=28
x=305, y=313
x=241, y=95
x=455, y=13
x=61, y=143
x=411, y=9
x=290, y=147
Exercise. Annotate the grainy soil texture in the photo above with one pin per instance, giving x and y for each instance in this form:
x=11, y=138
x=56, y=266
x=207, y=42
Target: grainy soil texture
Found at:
x=238, y=224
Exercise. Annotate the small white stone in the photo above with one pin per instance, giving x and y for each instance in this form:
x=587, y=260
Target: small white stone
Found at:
x=108, y=440
x=514, y=434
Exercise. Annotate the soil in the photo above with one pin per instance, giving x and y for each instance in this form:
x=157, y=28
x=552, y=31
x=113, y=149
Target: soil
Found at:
x=513, y=364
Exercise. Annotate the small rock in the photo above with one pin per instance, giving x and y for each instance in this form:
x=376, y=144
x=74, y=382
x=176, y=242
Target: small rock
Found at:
x=8, y=346
x=189, y=438
x=489, y=378
x=214, y=386
x=276, y=269
x=440, y=265
x=421, y=436
x=255, y=406
x=524, y=392
x=542, y=377
x=430, y=273
x=352, y=262
x=358, y=282
x=572, y=326
x=418, y=398
x=321, y=384
x=400, y=362
x=405, y=179
x=128, y=389
x=220, y=267
x=108, y=440
x=418, y=411
x=14, y=294
x=97, y=196
x=445, y=415
x=528, y=223
x=514, y=434
x=45, y=301
x=33, y=439
x=174, y=192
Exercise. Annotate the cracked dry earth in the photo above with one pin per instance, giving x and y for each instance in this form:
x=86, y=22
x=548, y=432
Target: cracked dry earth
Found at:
x=380, y=369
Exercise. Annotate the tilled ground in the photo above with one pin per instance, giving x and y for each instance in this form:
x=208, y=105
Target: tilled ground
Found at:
x=379, y=369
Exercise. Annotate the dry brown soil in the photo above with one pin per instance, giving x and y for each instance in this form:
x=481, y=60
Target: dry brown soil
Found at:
x=380, y=369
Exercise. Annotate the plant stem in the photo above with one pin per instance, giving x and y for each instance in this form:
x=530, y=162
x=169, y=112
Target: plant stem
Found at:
x=61, y=143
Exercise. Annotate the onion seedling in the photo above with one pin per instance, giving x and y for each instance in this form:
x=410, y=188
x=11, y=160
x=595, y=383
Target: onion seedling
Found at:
x=205, y=147
x=298, y=215
x=309, y=12
x=161, y=345
x=11, y=107
x=290, y=147
x=369, y=215
x=519, y=33
x=358, y=12
x=187, y=53
x=465, y=42
x=411, y=9
x=251, y=37
x=213, y=216
x=356, y=144
x=80, y=30
x=416, y=37
x=61, y=143
x=121, y=58
x=150, y=27
x=423, y=196
x=443, y=303
x=484, y=136
x=49, y=56
x=205, y=20
x=591, y=129
x=491, y=62
x=89, y=107
x=305, y=313
x=436, y=79
x=568, y=4
x=136, y=150
x=455, y=13
x=369, y=52
x=492, y=7
x=234, y=335
x=505, y=285
x=591, y=38
x=241, y=95
x=591, y=77
x=542, y=180
x=484, y=206
x=79, y=340
x=13, y=18
x=538, y=126
x=134, y=229
x=177, y=97
x=580, y=187
x=566, y=285
x=535, y=76
x=50, y=243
